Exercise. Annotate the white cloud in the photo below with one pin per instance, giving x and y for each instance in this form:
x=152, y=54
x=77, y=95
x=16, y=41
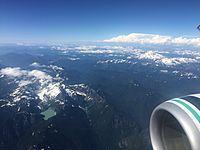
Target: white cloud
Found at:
x=18, y=72
x=141, y=38
x=39, y=75
x=24, y=83
x=35, y=64
x=13, y=72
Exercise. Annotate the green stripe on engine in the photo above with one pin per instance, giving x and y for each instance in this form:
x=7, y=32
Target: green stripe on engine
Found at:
x=195, y=114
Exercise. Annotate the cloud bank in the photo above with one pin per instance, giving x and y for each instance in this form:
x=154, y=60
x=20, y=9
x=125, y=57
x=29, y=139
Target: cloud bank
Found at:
x=141, y=38
x=18, y=72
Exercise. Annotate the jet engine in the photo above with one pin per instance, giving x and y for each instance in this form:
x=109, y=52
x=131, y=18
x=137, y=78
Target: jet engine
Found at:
x=175, y=124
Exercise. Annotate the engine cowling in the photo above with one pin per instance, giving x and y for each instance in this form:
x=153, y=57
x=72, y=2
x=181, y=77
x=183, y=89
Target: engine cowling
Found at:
x=175, y=124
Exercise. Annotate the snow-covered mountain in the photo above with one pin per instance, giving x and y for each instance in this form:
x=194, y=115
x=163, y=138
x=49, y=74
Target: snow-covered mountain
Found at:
x=88, y=96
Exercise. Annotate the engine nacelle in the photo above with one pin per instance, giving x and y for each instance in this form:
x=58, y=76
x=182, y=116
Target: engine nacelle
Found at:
x=175, y=124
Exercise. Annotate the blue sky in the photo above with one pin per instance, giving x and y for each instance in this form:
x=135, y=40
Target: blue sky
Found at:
x=91, y=20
